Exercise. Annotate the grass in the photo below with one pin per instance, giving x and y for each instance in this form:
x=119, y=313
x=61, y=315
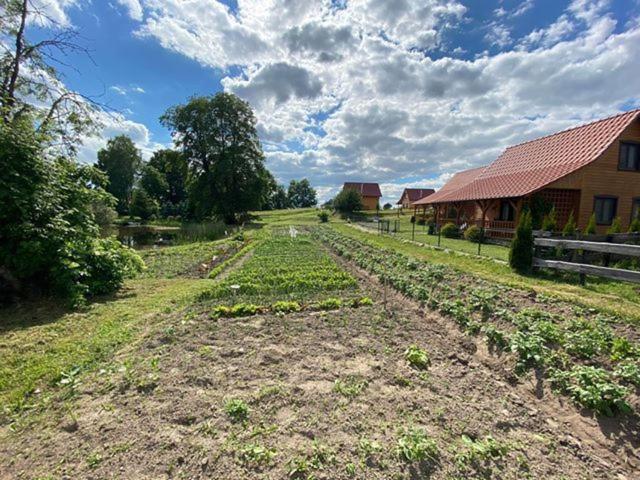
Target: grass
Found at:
x=619, y=298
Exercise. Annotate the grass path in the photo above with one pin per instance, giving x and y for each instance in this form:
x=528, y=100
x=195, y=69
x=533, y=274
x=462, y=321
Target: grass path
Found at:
x=613, y=297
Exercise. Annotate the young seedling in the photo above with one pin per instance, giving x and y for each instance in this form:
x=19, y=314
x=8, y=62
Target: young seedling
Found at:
x=237, y=410
x=417, y=357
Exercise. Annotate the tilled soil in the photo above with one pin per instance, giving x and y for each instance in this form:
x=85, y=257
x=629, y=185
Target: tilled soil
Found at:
x=158, y=411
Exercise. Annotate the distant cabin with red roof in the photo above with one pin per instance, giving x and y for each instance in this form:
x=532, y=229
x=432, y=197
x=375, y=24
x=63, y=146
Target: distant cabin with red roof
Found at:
x=370, y=193
x=590, y=169
x=410, y=195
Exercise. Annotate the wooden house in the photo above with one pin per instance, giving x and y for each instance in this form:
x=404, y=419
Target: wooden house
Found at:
x=590, y=169
x=410, y=195
x=370, y=193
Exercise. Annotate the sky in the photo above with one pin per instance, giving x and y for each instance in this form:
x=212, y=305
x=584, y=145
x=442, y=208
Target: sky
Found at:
x=400, y=92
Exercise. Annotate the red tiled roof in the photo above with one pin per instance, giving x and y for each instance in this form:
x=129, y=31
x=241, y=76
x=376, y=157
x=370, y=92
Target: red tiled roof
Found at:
x=365, y=189
x=415, y=194
x=525, y=168
x=458, y=181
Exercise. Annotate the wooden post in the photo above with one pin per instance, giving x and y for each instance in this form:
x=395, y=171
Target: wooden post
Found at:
x=413, y=231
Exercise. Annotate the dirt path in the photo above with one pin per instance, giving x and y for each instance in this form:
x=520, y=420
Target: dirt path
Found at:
x=159, y=412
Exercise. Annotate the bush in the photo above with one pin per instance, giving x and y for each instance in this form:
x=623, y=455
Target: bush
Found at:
x=387, y=206
x=323, y=216
x=550, y=221
x=348, y=201
x=570, y=227
x=591, y=226
x=422, y=221
x=521, y=253
x=449, y=230
x=50, y=239
x=616, y=227
x=635, y=225
x=142, y=205
x=473, y=234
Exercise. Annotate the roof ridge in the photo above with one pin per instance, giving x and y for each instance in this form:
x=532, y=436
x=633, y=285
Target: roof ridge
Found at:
x=635, y=110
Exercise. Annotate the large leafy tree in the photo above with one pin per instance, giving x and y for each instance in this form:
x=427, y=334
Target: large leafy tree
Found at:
x=301, y=194
x=173, y=165
x=154, y=183
x=217, y=135
x=121, y=161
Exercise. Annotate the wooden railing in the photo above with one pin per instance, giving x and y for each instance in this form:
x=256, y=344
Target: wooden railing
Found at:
x=581, y=246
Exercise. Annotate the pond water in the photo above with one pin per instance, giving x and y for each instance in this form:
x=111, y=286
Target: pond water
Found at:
x=145, y=236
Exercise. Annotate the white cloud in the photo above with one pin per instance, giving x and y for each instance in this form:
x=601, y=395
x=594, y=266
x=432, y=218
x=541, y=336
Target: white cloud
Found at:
x=134, y=9
x=349, y=92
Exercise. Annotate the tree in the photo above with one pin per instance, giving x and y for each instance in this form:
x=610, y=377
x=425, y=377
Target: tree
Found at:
x=550, y=221
x=49, y=240
x=348, y=201
x=387, y=206
x=30, y=86
x=616, y=226
x=154, y=183
x=634, y=227
x=217, y=135
x=301, y=194
x=121, y=161
x=173, y=165
x=278, y=198
x=143, y=205
x=521, y=253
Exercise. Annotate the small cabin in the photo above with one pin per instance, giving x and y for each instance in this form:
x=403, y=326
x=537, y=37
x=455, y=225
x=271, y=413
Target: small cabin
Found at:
x=410, y=195
x=370, y=192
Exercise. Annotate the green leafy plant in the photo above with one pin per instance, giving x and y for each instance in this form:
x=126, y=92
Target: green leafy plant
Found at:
x=237, y=410
x=591, y=226
x=570, y=227
x=530, y=349
x=284, y=306
x=414, y=445
x=476, y=453
x=417, y=357
x=550, y=221
x=257, y=454
x=351, y=386
x=330, y=304
x=628, y=372
x=616, y=226
x=450, y=230
x=473, y=234
x=323, y=216
x=361, y=302
x=495, y=337
x=622, y=348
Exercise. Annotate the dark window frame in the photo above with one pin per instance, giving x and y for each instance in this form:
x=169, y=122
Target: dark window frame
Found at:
x=615, y=207
x=634, y=201
x=510, y=209
x=620, y=168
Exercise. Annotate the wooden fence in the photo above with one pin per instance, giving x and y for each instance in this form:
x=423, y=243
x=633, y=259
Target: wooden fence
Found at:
x=582, y=246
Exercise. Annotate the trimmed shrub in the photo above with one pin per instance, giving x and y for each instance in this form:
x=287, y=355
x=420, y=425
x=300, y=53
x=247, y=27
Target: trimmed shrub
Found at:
x=550, y=221
x=449, y=230
x=323, y=216
x=521, y=253
x=473, y=234
x=570, y=227
x=635, y=226
x=616, y=226
x=591, y=226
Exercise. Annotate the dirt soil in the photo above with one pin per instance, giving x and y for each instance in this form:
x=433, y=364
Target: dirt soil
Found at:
x=158, y=411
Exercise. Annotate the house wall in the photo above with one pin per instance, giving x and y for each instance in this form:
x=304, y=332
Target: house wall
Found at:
x=370, y=203
x=602, y=177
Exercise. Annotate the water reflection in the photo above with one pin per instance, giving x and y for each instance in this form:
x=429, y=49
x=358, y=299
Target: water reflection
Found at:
x=145, y=236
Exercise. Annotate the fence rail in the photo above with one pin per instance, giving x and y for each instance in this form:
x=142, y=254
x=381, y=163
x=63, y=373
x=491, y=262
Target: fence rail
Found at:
x=586, y=269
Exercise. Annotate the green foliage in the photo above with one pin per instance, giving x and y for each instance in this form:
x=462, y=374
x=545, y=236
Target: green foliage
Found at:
x=477, y=453
x=591, y=226
x=121, y=161
x=284, y=306
x=616, y=226
x=330, y=304
x=414, y=445
x=103, y=212
x=622, y=348
x=570, y=227
x=628, y=372
x=361, y=302
x=521, y=252
x=172, y=165
x=323, y=215
x=49, y=238
x=550, y=221
x=449, y=230
x=143, y=205
x=218, y=137
x=634, y=227
x=237, y=410
x=592, y=387
x=417, y=357
x=301, y=195
x=256, y=454
x=530, y=349
x=495, y=337
x=348, y=201
x=387, y=206
x=154, y=183
x=473, y=234
x=350, y=387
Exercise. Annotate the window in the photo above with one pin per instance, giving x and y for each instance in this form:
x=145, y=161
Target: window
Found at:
x=507, y=212
x=452, y=212
x=635, y=209
x=629, y=157
x=605, y=209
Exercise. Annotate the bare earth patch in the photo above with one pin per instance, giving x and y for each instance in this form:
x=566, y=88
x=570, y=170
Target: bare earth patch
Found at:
x=162, y=411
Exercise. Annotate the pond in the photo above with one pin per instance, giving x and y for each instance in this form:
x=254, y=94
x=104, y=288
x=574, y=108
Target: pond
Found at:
x=145, y=236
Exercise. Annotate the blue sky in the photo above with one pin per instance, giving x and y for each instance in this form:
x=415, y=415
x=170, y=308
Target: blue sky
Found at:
x=355, y=90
